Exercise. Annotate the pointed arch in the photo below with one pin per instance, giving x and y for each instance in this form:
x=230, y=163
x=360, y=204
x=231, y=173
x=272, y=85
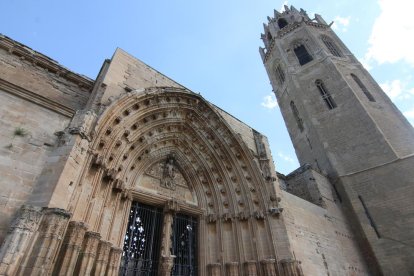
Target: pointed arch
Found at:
x=331, y=46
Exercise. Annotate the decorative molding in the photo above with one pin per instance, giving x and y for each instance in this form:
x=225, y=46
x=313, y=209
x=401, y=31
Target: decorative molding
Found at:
x=36, y=98
x=43, y=61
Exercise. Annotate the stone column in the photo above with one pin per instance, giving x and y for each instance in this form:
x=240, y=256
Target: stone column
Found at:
x=51, y=231
x=88, y=253
x=114, y=260
x=291, y=267
x=166, y=265
x=232, y=269
x=15, y=246
x=167, y=259
x=102, y=258
x=214, y=269
x=268, y=267
x=250, y=268
x=70, y=248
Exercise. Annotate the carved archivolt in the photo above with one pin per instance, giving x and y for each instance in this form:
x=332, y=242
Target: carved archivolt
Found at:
x=179, y=138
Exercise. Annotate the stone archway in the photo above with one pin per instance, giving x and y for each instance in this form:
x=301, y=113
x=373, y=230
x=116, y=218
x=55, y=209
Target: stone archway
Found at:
x=213, y=176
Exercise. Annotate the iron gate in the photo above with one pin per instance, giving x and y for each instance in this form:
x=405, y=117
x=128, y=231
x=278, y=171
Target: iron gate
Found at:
x=142, y=241
x=141, y=252
x=184, y=246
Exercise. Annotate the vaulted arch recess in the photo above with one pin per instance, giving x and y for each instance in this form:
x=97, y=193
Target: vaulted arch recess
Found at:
x=215, y=178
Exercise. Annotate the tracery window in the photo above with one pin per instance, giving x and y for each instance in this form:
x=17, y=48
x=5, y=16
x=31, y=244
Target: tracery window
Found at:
x=295, y=112
x=326, y=96
x=363, y=88
x=280, y=74
x=302, y=54
x=282, y=23
x=332, y=47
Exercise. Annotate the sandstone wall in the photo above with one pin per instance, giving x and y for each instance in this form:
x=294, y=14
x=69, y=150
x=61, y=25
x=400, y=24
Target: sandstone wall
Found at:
x=22, y=156
x=321, y=238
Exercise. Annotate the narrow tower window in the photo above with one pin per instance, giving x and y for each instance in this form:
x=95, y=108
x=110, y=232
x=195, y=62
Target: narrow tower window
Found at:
x=331, y=46
x=363, y=88
x=302, y=54
x=282, y=23
x=296, y=115
x=280, y=75
x=325, y=94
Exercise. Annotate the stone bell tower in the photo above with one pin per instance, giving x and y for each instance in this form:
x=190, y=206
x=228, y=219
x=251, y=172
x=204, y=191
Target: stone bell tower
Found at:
x=343, y=124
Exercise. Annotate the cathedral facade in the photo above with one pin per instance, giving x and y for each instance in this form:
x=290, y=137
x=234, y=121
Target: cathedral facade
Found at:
x=134, y=174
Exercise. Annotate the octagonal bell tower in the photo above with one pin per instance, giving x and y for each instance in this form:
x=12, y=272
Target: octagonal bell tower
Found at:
x=343, y=124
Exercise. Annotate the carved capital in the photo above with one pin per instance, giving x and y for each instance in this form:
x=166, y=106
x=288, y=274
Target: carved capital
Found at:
x=171, y=206
x=211, y=218
x=291, y=267
x=259, y=214
x=118, y=185
x=268, y=267
x=28, y=218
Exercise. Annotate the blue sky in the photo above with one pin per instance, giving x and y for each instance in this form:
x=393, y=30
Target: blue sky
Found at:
x=211, y=46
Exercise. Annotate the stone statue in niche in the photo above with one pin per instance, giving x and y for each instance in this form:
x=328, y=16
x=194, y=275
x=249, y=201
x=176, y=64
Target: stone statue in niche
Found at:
x=168, y=177
x=260, y=147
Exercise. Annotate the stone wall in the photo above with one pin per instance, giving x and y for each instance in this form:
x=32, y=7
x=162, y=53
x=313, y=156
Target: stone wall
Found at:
x=321, y=238
x=26, y=138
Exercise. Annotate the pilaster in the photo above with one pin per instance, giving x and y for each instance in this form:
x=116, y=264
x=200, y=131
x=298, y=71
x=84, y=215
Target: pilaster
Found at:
x=250, y=268
x=291, y=267
x=102, y=258
x=18, y=239
x=51, y=231
x=214, y=269
x=88, y=253
x=268, y=267
x=71, y=248
x=114, y=260
x=232, y=269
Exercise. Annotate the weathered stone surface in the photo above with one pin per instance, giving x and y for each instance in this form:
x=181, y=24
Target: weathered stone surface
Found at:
x=76, y=153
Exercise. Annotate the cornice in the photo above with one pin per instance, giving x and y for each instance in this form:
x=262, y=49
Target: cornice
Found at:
x=36, y=98
x=40, y=60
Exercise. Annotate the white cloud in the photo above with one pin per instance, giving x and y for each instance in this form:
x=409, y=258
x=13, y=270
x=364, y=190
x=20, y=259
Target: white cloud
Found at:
x=286, y=157
x=269, y=101
x=282, y=8
x=410, y=115
x=341, y=23
x=392, y=31
x=393, y=89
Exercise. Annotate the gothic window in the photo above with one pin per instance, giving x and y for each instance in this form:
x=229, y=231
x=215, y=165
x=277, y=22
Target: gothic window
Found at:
x=296, y=115
x=302, y=54
x=326, y=96
x=331, y=46
x=282, y=23
x=280, y=75
x=363, y=88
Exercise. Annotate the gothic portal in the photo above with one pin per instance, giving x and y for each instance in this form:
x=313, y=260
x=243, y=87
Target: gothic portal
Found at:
x=134, y=174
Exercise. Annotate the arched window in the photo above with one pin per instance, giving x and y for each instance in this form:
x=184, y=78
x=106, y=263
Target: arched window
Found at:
x=363, y=88
x=296, y=115
x=280, y=74
x=331, y=46
x=282, y=23
x=302, y=54
x=327, y=98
